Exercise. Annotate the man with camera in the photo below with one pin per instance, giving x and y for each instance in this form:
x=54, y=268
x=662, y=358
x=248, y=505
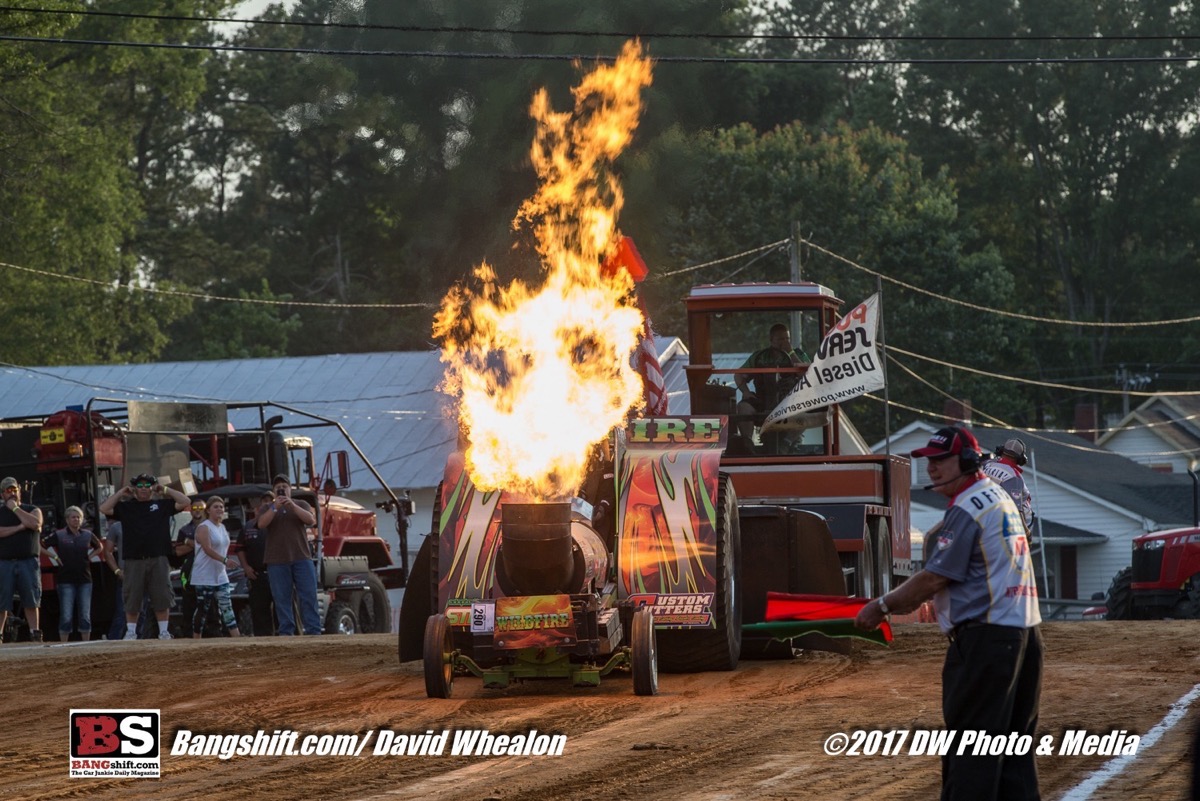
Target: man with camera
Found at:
x=289, y=562
x=145, y=518
x=20, y=529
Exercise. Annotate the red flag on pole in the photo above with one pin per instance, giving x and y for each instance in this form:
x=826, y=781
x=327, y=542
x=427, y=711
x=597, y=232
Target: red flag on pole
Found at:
x=787, y=606
x=645, y=358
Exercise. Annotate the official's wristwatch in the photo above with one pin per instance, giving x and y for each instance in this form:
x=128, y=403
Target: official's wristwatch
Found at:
x=883, y=607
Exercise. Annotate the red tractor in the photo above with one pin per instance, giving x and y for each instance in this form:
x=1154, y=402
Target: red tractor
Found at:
x=1164, y=579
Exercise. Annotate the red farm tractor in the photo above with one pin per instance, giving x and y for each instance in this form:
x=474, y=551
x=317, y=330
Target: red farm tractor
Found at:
x=1164, y=579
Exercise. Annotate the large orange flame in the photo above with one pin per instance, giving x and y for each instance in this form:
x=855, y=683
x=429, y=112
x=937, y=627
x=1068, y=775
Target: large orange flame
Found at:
x=543, y=373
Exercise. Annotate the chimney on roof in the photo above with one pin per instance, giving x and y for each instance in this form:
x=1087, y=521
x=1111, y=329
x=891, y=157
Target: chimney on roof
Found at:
x=1087, y=421
x=957, y=411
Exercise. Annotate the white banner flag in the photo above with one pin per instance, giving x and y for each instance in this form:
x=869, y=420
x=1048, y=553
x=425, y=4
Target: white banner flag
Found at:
x=846, y=366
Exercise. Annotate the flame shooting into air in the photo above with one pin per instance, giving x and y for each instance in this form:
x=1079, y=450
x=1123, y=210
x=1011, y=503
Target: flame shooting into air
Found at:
x=543, y=373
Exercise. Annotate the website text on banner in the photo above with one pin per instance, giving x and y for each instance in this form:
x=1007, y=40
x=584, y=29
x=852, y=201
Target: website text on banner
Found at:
x=846, y=366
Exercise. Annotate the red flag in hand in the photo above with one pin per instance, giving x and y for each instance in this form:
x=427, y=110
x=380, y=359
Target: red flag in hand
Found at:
x=787, y=606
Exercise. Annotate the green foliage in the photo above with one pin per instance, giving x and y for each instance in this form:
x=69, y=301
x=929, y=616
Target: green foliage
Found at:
x=856, y=192
x=1082, y=175
x=1051, y=190
x=80, y=177
x=232, y=330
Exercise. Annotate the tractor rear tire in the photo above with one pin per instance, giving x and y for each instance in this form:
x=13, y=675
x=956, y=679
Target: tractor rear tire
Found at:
x=1188, y=606
x=644, y=647
x=438, y=647
x=863, y=582
x=420, y=590
x=374, y=609
x=693, y=651
x=1119, y=598
x=415, y=606
x=883, y=557
x=341, y=619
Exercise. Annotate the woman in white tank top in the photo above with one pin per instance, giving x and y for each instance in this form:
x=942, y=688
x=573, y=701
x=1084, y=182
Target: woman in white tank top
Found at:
x=209, y=579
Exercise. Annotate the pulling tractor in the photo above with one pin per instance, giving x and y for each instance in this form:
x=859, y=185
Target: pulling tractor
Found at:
x=684, y=525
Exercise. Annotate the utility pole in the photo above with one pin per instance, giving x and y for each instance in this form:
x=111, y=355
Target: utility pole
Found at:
x=796, y=252
x=1127, y=380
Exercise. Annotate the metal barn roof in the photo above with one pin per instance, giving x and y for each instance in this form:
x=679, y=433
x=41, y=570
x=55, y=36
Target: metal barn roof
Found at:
x=388, y=402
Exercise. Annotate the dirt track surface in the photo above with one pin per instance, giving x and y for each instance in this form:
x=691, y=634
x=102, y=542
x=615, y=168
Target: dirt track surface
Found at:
x=755, y=733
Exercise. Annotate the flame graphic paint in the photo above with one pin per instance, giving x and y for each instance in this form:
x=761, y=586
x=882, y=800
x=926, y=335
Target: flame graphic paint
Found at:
x=667, y=494
x=468, y=536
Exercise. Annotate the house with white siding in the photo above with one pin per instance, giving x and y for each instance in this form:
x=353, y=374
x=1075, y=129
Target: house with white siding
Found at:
x=1090, y=503
x=1163, y=434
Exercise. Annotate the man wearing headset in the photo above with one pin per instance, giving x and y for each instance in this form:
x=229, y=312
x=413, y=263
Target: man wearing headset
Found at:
x=1005, y=469
x=980, y=574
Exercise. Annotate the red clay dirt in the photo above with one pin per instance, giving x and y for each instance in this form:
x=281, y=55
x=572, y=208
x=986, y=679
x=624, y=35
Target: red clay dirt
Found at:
x=755, y=733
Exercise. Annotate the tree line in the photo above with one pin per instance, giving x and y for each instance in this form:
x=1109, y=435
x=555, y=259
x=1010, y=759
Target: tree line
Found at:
x=949, y=145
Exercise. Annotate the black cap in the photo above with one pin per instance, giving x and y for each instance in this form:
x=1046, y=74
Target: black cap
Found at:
x=142, y=478
x=281, y=478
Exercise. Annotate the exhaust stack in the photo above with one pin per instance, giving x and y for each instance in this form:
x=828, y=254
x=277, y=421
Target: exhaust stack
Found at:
x=544, y=552
x=535, y=547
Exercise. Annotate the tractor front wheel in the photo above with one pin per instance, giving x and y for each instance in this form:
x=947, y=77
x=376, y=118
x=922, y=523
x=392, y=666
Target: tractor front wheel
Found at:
x=374, y=609
x=644, y=647
x=1188, y=606
x=341, y=619
x=439, y=651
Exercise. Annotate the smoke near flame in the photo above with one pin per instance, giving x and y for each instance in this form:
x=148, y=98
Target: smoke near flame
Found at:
x=541, y=373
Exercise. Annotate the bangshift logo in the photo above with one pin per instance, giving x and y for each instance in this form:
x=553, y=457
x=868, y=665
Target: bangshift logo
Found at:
x=119, y=743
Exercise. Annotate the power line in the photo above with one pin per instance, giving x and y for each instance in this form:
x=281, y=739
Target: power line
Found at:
x=1151, y=424
x=764, y=250
x=798, y=37
x=203, y=296
x=590, y=57
x=1036, y=433
x=1047, y=384
x=998, y=312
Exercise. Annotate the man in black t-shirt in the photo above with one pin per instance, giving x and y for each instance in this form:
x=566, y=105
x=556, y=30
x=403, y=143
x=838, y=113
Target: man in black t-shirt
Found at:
x=185, y=557
x=20, y=544
x=146, y=531
x=252, y=551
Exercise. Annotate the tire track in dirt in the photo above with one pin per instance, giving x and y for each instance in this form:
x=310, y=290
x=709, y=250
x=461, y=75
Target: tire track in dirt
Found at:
x=638, y=746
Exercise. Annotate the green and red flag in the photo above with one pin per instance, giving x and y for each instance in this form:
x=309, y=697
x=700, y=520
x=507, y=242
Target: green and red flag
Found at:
x=794, y=615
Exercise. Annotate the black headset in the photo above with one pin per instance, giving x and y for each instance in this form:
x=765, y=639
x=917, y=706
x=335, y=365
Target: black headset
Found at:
x=1019, y=458
x=969, y=459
